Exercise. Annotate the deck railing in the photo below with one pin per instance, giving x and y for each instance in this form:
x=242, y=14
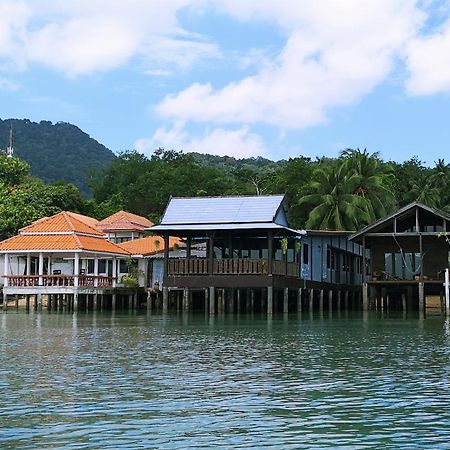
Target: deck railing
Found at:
x=60, y=281
x=234, y=266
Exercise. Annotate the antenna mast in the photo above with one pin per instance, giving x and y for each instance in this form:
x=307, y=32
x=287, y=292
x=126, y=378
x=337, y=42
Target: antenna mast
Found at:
x=10, y=148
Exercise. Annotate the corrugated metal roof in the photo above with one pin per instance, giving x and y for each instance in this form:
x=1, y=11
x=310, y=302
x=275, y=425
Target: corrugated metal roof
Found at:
x=222, y=210
x=225, y=226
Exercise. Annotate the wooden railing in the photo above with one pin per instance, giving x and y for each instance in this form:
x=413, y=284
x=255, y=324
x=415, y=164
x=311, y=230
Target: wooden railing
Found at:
x=59, y=280
x=235, y=266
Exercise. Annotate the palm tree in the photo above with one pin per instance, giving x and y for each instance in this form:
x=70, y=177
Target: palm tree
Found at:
x=373, y=181
x=335, y=206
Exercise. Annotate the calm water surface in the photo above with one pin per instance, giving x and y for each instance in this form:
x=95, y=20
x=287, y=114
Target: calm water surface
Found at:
x=179, y=382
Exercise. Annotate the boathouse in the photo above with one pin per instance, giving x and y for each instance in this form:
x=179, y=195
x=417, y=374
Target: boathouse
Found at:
x=248, y=243
x=407, y=253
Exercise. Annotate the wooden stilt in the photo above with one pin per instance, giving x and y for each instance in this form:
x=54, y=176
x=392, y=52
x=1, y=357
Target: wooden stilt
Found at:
x=232, y=301
x=339, y=295
x=422, y=299
x=238, y=300
x=346, y=299
x=185, y=299
x=330, y=301
x=75, y=302
x=252, y=301
x=16, y=301
x=5, y=302
x=95, y=302
x=321, y=301
x=27, y=302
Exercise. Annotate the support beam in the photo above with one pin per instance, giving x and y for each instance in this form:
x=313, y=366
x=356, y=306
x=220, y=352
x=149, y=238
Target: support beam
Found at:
x=269, y=300
x=299, y=300
x=212, y=301
x=165, y=292
x=365, y=290
x=285, y=300
x=421, y=298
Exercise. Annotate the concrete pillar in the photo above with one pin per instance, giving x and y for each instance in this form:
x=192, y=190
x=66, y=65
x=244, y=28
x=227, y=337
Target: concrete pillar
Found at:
x=96, y=271
x=212, y=300
x=41, y=268
x=95, y=302
x=321, y=301
x=206, y=292
x=185, y=299
x=165, y=292
x=6, y=269
x=39, y=301
x=346, y=299
x=113, y=302
x=330, y=301
x=252, y=300
x=365, y=290
x=285, y=300
x=299, y=300
x=76, y=270
x=114, y=272
x=5, y=302
x=75, y=302
x=16, y=301
x=238, y=300
x=403, y=301
x=421, y=298
x=339, y=300
x=27, y=302
x=135, y=301
x=311, y=300
x=269, y=300
x=149, y=301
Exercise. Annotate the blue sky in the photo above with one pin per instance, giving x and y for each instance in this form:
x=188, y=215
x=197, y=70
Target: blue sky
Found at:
x=260, y=77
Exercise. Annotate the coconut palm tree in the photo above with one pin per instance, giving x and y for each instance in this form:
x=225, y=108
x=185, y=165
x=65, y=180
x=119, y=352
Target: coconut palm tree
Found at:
x=335, y=206
x=373, y=181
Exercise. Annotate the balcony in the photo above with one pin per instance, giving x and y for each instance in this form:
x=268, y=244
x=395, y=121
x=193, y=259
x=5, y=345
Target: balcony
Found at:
x=235, y=266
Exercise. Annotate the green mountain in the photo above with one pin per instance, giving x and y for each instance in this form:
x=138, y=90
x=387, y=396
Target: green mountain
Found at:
x=59, y=151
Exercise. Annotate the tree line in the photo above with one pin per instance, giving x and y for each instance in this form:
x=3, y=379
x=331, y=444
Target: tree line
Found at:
x=343, y=193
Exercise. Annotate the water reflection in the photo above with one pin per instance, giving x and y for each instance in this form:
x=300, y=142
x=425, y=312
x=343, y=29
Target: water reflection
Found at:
x=195, y=381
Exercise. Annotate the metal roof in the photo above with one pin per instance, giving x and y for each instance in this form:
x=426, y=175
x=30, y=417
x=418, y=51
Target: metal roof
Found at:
x=222, y=210
x=225, y=227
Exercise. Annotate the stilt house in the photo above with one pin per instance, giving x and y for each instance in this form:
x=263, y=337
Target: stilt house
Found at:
x=406, y=254
x=249, y=244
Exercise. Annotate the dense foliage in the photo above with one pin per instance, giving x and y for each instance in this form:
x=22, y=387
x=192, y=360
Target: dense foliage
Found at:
x=344, y=193
x=59, y=151
x=24, y=199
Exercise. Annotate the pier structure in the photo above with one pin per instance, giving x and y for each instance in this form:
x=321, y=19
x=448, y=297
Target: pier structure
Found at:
x=406, y=255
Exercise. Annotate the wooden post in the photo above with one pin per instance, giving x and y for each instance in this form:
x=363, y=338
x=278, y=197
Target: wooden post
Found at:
x=5, y=302
x=403, y=301
x=346, y=299
x=321, y=301
x=16, y=301
x=113, y=302
x=252, y=300
x=75, y=302
x=149, y=301
x=286, y=300
x=269, y=300
x=206, y=292
x=330, y=301
x=166, y=260
x=27, y=302
x=299, y=300
x=447, y=292
x=212, y=301
x=95, y=302
x=339, y=300
x=269, y=254
x=232, y=302
x=210, y=254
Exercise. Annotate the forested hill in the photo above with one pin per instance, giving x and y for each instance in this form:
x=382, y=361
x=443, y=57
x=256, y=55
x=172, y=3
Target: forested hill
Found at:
x=59, y=151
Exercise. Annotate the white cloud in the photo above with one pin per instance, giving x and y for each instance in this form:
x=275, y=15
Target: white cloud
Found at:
x=239, y=142
x=86, y=36
x=336, y=53
x=428, y=62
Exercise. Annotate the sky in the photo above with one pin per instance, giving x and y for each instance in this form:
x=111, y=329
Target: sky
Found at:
x=272, y=78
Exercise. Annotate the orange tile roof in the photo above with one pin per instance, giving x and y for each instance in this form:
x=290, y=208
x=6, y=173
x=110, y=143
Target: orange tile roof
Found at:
x=123, y=220
x=63, y=222
x=69, y=242
x=147, y=246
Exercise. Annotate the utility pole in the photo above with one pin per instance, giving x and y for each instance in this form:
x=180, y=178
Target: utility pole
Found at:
x=10, y=148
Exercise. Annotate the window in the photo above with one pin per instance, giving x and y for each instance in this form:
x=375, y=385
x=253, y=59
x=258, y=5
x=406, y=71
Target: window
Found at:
x=305, y=254
x=90, y=266
x=101, y=266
